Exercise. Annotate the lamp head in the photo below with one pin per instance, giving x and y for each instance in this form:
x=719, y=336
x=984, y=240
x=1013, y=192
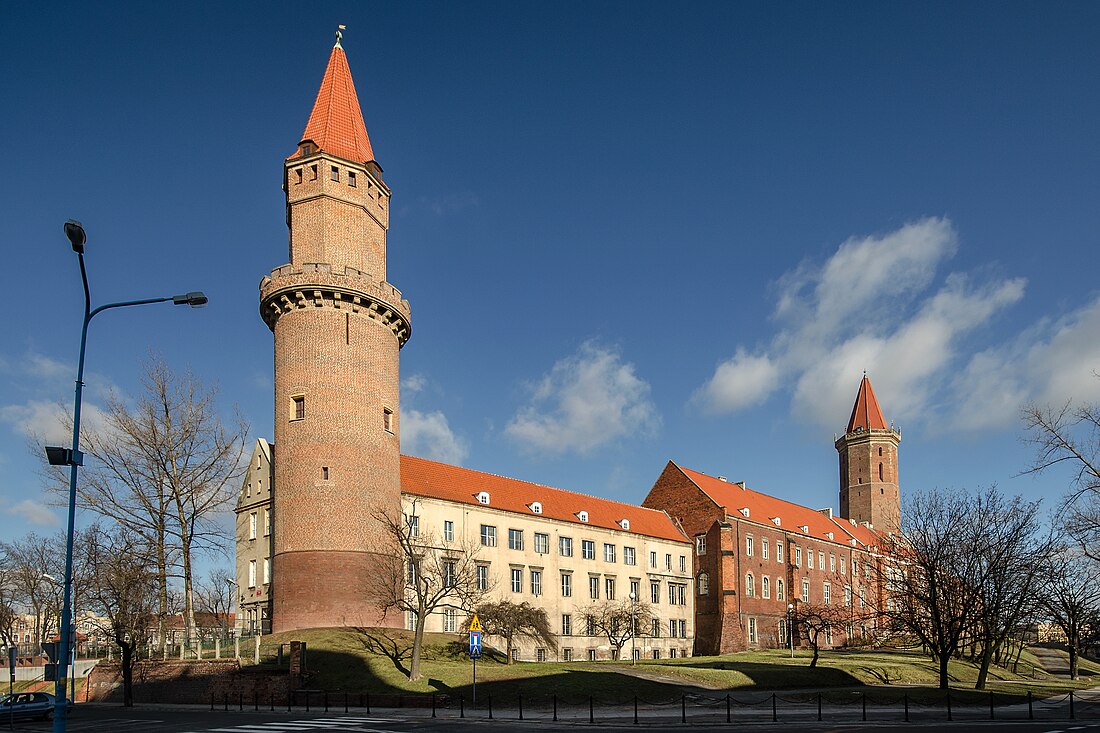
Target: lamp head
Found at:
x=195, y=299
x=74, y=230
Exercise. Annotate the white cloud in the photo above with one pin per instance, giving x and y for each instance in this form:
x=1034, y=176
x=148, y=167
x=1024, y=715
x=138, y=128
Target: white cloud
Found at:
x=742, y=381
x=586, y=400
x=429, y=435
x=49, y=420
x=414, y=383
x=873, y=305
x=34, y=512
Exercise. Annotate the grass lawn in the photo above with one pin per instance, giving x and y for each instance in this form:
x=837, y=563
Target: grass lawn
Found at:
x=339, y=660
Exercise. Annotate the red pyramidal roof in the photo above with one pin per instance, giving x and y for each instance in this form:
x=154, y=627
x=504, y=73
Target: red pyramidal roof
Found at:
x=866, y=413
x=336, y=123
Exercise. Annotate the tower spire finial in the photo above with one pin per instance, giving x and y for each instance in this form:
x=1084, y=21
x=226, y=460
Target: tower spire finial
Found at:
x=340, y=34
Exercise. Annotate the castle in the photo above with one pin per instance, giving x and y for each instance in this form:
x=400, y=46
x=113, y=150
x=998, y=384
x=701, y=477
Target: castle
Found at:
x=698, y=551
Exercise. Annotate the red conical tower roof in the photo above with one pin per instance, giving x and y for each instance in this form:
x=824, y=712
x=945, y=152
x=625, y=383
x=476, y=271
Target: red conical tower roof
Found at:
x=336, y=124
x=866, y=413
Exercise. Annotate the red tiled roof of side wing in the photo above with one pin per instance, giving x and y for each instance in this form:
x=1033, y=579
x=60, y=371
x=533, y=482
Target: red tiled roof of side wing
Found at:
x=866, y=413
x=336, y=123
x=792, y=517
x=441, y=481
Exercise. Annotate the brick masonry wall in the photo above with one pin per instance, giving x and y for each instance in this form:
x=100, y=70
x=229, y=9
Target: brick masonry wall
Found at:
x=176, y=682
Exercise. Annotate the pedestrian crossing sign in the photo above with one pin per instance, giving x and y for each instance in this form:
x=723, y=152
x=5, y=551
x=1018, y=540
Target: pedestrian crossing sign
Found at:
x=475, y=624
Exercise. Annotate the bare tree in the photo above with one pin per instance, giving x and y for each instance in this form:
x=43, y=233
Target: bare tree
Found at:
x=1012, y=552
x=8, y=612
x=511, y=620
x=162, y=469
x=213, y=597
x=427, y=575
x=123, y=591
x=35, y=568
x=618, y=621
x=1070, y=435
x=1073, y=600
x=930, y=577
x=813, y=621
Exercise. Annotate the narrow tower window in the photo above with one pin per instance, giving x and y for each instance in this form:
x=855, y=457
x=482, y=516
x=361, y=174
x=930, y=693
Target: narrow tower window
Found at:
x=351, y=179
x=880, y=472
x=324, y=473
x=335, y=173
x=387, y=419
x=299, y=407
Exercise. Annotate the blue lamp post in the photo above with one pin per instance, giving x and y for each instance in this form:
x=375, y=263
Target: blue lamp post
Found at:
x=73, y=458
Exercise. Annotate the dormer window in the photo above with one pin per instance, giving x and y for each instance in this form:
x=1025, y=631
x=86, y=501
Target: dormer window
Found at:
x=483, y=497
x=306, y=148
x=582, y=516
x=805, y=529
x=852, y=542
x=744, y=511
x=536, y=507
x=829, y=535
x=624, y=523
x=777, y=521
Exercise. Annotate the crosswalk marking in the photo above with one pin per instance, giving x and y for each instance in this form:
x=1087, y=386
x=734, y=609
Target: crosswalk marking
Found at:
x=287, y=726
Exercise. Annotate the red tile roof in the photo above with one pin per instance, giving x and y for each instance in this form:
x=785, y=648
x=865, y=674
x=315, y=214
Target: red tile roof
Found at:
x=452, y=483
x=336, y=123
x=866, y=413
x=764, y=509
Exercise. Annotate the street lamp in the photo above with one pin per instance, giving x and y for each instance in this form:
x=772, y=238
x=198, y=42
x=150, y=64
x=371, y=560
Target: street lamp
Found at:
x=633, y=629
x=790, y=626
x=73, y=458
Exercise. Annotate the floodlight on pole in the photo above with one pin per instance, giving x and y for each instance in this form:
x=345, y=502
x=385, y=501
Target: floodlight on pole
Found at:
x=72, y=457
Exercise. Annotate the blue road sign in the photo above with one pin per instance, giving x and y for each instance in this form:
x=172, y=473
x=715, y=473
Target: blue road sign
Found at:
x=475, y=644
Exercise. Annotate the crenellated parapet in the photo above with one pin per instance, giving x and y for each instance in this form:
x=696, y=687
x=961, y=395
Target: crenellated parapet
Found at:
x=320, y=285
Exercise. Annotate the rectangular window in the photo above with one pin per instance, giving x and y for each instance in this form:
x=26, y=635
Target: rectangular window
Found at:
x=565, y=546
x=805, y=591
x=251, y=573
x=628, y=556
x=588, y=549
x=483, y=577
x=748, y=546
x=566, y=585
x=609, y=588
x=515, y=539
x=798, y=557
x=655, y=632
x=668, y=561
x=779, y=551
x=682, y=623
x=448, y=531
x=653, y=559
x=299, y=407
x=810, y=559
x=654, y=591
x=410, y=572
x=592, y=653
x=832, y=563
x=517, y=580
x=672, y=628
x=566, y=625
x=567, y=654
x=828, y=590
x=267, y=522
x=387, y=419
x=609, y=553
x=542, y=543
x=752, y=631
x=683, y=563
x=450, y=574
x=267, y=571
x=536, y=582
x=335, y=173
x=593, y=587
x=488, y=535
x=351, y=179
x=540, y=654
x=764, y=547
x=324, y=473
x=843, y=565
x=414, y=526
x=821, y=559
x=410, y=620
x=847, y=595
x=252, y=526
x=450, y=620
x=634, y=591
x=701, y=545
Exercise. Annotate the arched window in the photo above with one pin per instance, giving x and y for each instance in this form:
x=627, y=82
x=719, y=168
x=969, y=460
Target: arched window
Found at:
x=765, y=587
x=880, y=472
x=750, y=586
x=704, y=584
x=779, y=589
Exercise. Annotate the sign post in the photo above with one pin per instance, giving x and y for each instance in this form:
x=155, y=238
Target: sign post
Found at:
x=12, y=651
x=475, y=649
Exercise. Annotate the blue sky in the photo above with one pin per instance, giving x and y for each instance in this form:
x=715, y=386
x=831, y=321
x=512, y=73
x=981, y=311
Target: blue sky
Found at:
x=629, y=232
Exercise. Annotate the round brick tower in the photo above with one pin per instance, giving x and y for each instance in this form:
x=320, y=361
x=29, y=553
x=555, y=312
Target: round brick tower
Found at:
x=869, y=489
x=338, y=327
